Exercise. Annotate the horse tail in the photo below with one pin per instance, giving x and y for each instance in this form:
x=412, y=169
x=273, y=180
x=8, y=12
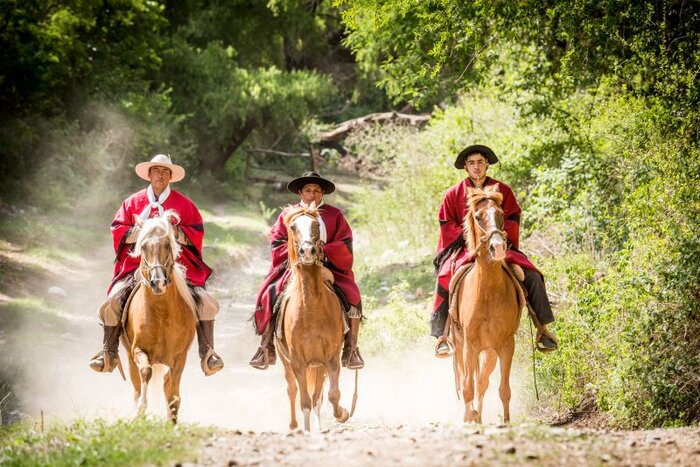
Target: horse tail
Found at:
x=315, y=376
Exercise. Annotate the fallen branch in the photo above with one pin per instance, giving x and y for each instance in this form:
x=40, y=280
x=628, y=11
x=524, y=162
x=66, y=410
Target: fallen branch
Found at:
x=341, y=131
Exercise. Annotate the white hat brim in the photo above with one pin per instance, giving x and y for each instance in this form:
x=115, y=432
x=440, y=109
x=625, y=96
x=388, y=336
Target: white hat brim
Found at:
x=178, y=172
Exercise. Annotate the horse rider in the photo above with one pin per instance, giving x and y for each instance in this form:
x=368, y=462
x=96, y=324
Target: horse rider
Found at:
x=152, y=202
x=338, y=257
x=452, y=252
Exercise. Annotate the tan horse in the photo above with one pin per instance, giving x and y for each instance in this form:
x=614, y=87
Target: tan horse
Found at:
x=312, y=322
x=488, y=306
x=160, y=316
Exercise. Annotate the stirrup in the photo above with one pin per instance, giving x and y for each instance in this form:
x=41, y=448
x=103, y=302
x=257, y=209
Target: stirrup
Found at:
x=255, y=361
x=443, y=348
x=109, y=362
x=541, y=347
x=208, y=371
x=359, y=363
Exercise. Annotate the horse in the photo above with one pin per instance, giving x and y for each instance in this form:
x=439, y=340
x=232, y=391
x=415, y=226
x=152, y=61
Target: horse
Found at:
x=160, y=316
x=488, y=306
x=309, y=337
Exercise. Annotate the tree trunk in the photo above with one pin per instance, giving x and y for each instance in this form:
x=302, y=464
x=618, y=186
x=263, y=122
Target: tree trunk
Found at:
x=217, y=164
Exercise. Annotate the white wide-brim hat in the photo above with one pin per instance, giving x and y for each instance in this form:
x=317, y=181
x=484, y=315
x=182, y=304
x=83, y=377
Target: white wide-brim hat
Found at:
x=161, y=160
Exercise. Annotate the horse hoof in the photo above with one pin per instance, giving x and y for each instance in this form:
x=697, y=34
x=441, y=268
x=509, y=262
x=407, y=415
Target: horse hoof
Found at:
x=344, y=415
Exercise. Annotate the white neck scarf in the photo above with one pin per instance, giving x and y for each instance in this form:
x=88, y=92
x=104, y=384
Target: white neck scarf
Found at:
x=154, y=203
x=321, y=225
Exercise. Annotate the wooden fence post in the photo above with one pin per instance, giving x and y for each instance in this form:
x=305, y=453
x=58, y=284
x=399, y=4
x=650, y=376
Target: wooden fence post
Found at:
x=313, y=149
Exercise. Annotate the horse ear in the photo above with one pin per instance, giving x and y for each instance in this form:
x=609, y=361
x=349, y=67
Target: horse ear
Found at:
x=138, y=220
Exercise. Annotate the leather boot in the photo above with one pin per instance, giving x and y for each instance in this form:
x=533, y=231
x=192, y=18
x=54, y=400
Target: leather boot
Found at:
x=211, y=361
x=265, y=355
x=545, y=340
x=107, y=359
x=351, y=357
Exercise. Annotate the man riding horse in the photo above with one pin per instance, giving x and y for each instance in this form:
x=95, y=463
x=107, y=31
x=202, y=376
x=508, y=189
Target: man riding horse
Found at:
x=337, y=249
x=152, y=202
x=452, y=253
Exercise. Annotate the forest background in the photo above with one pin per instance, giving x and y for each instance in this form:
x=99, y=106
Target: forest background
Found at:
x=592, y=106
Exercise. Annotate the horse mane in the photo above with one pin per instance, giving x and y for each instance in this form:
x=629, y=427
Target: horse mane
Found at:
x=293, y=213
x=474, y=197
x=162, y=227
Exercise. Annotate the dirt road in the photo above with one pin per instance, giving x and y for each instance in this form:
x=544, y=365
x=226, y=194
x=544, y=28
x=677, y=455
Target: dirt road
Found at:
x=444, y=445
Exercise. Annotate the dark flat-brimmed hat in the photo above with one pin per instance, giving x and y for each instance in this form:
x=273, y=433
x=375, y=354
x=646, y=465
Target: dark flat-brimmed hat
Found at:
x=485, y=151
x=297, y=184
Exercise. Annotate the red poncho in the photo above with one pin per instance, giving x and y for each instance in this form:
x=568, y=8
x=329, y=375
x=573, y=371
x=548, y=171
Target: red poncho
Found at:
x=339, y=258
x=190, y=224
x=452, y=252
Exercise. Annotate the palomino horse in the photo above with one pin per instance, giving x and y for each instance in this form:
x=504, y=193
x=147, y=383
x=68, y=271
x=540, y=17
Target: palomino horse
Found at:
x=160, y=315
x=488, y=306
x=312, y=322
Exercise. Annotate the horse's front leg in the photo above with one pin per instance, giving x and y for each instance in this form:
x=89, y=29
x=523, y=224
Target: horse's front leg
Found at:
x=505, y=356
x=488, y=363
x=339, y=412
x=471, y=362
x=135, y=378
x=171, y=387
x=304, y=398
x=145, y=373
x=319, y=377
x=292, y=393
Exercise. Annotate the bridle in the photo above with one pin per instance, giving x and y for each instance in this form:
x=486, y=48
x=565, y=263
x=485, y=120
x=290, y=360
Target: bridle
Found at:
x=166, y=267
x=486, y=238
x=317, y=245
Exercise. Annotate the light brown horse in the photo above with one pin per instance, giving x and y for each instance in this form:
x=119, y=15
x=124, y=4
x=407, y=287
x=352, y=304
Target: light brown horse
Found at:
x=488, y=306
x=312, y=322
x=160, y=316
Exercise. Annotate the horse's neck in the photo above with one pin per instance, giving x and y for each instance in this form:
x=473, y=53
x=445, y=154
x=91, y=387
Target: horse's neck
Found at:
x=310, y=282
x=491, y=271
x=166, y=300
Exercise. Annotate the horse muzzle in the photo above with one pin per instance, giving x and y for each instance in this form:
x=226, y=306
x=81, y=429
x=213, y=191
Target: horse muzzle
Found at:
x=308, y=254
x=497, y=248
x=158, y=286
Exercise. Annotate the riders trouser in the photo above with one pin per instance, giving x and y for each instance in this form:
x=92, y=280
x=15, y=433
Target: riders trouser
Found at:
x=537, y=296
x=110, y=312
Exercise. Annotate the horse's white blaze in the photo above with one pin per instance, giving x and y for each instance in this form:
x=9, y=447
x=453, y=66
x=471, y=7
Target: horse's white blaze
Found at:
x=496, y=242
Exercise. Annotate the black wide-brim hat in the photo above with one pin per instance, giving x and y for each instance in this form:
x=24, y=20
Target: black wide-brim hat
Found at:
x=297, y=184
x=485, y=151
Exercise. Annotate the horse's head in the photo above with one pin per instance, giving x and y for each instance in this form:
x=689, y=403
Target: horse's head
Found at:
x=158, y=249
x=484, y=223
x=304, y=233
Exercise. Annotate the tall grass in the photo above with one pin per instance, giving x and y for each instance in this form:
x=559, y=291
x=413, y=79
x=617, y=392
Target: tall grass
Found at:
x=142, y=441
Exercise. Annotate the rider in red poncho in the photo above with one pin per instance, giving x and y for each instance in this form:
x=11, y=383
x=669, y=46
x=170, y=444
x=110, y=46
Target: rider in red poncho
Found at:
x=452, y=252
x=151, y=202
x=337, y=238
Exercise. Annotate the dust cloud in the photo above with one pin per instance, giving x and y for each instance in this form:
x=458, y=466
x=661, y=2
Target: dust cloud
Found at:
x=51, y=352
x=410, y=389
